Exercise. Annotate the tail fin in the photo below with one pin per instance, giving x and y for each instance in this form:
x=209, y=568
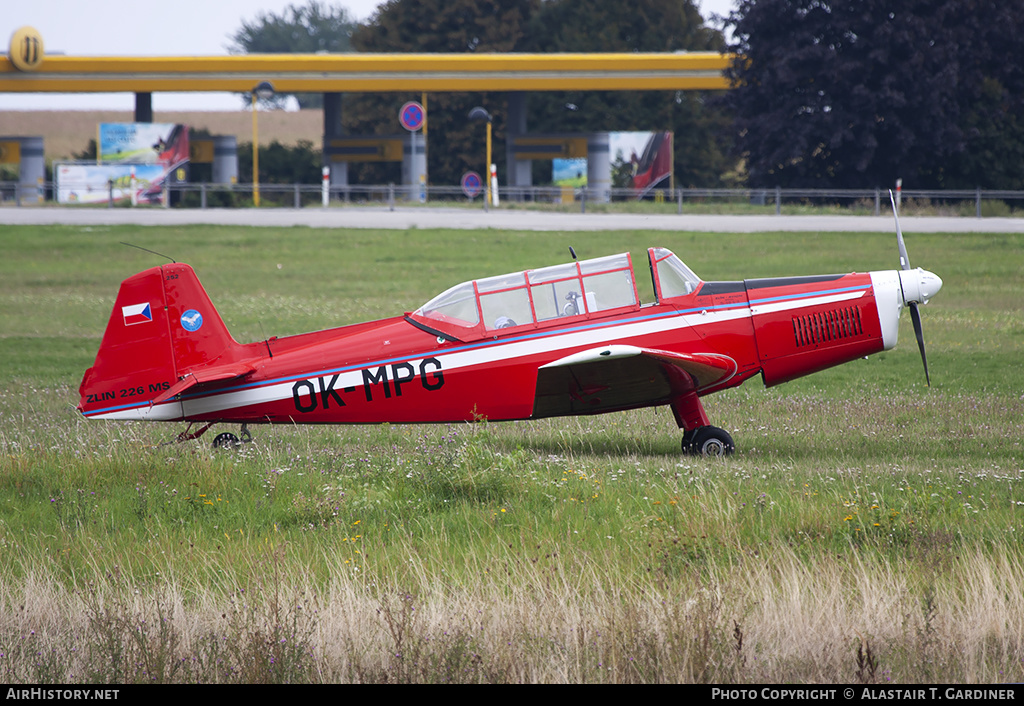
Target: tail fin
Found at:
x=163, y=326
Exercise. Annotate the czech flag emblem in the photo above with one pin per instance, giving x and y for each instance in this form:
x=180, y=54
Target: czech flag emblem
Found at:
x=136, y=314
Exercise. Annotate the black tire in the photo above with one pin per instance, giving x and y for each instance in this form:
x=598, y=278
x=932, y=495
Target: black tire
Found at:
x=687, y=443
x=712, y=441
x=226, y=440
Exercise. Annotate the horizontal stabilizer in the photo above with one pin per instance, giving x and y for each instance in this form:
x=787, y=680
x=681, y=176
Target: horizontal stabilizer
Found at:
x=202, y=376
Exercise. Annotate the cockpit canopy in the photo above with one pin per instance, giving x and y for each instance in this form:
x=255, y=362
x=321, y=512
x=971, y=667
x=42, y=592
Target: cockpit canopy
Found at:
x=551, y=294
x=672, y=278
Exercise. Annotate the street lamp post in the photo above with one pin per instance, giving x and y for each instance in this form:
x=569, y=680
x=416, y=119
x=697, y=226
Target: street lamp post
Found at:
x=479, y=113
x=263, y=91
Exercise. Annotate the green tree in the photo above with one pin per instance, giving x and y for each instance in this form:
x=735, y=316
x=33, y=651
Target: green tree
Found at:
x=465, y=26
x=993, y=128
x=990, y=97
x=436, y=26
x=308, y=29
x=702, y=138
x=281, y=164
x=859, y=94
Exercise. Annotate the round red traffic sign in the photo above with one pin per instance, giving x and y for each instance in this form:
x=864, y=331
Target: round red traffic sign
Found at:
x=411, y=116
x=472, y=184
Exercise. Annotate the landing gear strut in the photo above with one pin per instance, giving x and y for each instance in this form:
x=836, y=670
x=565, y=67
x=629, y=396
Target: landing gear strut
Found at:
x=699, y=437
x=224, y=440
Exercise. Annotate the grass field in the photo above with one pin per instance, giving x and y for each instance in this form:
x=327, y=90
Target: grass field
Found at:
x=866, y=530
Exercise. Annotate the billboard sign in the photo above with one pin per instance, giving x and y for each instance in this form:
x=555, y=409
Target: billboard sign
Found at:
x=164, y=146
x=96, y=183
x=652, y=167
x=569, y=172
x=641, y=161
x=142, y=143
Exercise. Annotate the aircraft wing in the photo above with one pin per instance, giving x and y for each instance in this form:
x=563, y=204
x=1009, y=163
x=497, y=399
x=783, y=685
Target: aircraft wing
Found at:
x=200, y=376
x=621, y=377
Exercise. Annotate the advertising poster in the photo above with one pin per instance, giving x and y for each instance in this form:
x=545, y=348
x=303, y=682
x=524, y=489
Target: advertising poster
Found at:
x=162, y=144
x=94, y=183
x=653, y=167
x=641, y=161
x=142, y=143
x=569, y=172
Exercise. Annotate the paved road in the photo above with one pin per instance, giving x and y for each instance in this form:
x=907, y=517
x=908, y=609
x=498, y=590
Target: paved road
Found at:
x=427, y=217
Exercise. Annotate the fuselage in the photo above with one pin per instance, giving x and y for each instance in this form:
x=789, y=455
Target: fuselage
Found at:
x=407, y=369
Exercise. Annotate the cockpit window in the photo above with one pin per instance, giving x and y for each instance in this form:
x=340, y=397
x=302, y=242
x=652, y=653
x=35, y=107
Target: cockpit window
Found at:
x=673, y=279
x=504, y=301
x=555, y=291
x=536, y=296
x=608, y=282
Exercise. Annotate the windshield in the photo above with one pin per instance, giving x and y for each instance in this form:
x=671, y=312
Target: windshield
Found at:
x=456, y=305
x=672, y=277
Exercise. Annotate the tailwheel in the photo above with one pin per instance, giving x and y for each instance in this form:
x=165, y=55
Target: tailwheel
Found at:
x=708, y=441
x=227, y=440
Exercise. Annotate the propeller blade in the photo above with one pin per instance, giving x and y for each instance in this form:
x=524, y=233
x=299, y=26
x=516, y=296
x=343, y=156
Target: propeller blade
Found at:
x=904, y=257
x=915, y=316
x=915, y=312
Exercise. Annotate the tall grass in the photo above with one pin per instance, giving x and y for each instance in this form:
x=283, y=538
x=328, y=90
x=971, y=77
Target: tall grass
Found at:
x=505, y=553
x=867, y=529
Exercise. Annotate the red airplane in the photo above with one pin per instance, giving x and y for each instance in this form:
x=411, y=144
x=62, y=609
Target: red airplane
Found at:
x=563, y=340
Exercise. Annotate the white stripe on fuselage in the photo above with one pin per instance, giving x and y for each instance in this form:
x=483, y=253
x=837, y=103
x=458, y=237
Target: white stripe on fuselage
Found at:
x=468, y=355
x=769, y=306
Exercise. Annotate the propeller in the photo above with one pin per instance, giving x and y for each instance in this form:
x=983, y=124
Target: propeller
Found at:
x=921, y=297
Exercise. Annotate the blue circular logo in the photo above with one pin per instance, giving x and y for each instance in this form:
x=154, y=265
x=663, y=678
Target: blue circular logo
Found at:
x=191, y=320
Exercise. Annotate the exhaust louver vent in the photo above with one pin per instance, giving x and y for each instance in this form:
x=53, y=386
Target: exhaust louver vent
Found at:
x=825, y=326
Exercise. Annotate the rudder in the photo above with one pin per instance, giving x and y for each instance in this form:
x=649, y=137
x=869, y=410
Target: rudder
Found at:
x=163, y=325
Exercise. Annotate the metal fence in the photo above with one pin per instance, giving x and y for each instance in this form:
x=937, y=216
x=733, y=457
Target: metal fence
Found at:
x=977, y=202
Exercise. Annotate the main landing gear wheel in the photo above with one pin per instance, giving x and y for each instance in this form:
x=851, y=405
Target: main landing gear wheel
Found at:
x=708, y=441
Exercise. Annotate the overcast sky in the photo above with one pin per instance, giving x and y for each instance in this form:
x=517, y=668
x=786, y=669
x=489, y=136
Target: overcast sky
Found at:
x=176, y=28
